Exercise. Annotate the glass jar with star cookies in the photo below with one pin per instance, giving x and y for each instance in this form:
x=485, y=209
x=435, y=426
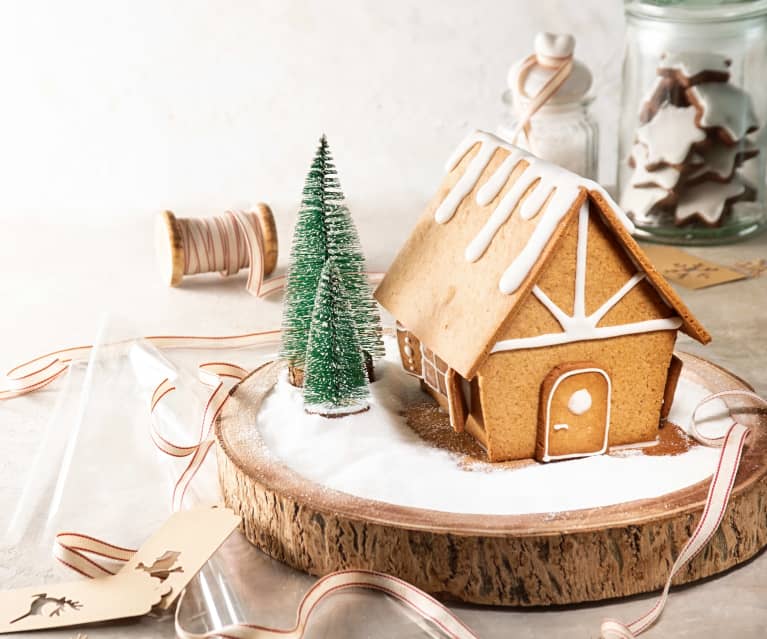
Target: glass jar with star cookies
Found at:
x=693, y=141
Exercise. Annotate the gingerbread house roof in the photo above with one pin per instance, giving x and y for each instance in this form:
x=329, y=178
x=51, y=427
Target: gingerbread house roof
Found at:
x=482, y=243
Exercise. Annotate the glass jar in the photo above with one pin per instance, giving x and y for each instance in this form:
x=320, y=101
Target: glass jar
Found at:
x=693, y=144
x=564, y=134
x=560, y=130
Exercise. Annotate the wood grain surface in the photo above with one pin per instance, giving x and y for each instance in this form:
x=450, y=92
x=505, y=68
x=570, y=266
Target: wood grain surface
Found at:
x=520, y=560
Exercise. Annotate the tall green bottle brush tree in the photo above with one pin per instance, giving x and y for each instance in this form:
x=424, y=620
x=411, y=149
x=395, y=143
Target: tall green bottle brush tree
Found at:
x=325, y=229
x=345, y=248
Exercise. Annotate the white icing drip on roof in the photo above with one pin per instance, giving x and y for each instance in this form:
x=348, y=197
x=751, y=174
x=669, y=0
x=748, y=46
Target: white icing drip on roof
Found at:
x=540, y=180
x=467, y=181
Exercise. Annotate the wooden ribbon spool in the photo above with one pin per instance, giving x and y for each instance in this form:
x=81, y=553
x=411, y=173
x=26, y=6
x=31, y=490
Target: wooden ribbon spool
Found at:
x=175, y=256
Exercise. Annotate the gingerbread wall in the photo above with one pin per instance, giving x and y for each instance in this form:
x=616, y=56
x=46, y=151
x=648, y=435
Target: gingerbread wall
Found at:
x=510, y=384
x=637, y=364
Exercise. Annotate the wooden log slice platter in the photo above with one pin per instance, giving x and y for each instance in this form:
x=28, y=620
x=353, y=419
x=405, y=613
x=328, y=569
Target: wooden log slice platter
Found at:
x=520, y=560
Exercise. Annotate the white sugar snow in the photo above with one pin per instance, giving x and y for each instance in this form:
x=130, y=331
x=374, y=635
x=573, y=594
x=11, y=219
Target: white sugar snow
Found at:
x=375, y=455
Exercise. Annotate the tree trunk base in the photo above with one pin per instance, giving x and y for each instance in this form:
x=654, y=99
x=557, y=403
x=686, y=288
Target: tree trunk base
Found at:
x=370, y=369
x=520, y=560
x=296, y=376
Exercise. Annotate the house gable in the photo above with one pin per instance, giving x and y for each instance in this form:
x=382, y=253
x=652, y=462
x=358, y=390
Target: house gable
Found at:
x=608, y=268
x=690, y=324
x=607, y=293
x=485, y=244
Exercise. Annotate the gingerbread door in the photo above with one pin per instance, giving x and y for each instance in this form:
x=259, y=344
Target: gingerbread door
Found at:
x=574, y=416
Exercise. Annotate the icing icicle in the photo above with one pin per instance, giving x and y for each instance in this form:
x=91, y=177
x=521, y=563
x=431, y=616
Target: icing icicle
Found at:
x=467, y=181
x=493, y=186
x=539, y=183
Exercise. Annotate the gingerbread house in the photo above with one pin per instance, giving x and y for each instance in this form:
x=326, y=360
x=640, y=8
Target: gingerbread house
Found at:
x=530, y=313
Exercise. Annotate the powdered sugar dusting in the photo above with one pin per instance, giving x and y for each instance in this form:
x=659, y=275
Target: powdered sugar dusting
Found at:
x=375, y=455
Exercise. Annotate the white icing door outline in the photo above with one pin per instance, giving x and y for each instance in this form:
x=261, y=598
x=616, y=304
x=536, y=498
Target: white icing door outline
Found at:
x=546, y=457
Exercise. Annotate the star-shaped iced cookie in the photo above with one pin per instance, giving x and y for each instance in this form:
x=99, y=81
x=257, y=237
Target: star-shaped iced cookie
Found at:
x=669, y=136
x=724, y=107
x=708, y=201
x=665, y=176
x=720, y=160
x=638, y=202
x=692, y=67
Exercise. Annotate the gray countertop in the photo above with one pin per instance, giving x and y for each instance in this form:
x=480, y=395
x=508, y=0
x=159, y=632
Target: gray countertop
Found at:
x=114, y=113
x=732, y=312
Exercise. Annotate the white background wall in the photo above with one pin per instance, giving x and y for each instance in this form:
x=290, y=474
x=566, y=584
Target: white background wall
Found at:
x=117, y=109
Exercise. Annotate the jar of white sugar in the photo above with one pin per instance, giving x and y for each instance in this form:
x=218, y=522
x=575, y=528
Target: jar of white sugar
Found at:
x=548, y=100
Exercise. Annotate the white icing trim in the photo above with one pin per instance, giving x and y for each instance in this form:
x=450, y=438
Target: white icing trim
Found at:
x=490, y=189
x=597, y=315
x=586, y=333
x=518, y=270
x=557, y=312
x=499, y=217
x=546, y=457
x=467, y=181
x=541, y=180
x=561, y=426
x=535, y=201
x=431, y=362
x=579, y=326
x=581, y=251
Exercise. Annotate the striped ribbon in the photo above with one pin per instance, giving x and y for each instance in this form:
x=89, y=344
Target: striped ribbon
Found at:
x=719, y=492
x=254, y=240
x=40, y=371
x=211, y=374
x=414, y=598
x=562, y=68
x=86, y=554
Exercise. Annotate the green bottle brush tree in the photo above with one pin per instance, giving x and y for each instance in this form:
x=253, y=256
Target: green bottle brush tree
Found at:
x=335, y=382
x=325, y=229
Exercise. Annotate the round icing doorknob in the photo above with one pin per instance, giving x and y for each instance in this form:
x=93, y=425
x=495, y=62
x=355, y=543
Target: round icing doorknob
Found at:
x=554, y=45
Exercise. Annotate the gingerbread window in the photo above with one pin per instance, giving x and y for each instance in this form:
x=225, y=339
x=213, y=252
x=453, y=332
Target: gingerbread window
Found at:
x=434, y=371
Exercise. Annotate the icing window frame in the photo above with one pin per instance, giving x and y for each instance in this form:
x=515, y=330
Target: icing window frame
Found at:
x=434, y=371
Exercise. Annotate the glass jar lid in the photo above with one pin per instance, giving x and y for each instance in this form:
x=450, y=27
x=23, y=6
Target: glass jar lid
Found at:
x=526, y=80
x=696, y=10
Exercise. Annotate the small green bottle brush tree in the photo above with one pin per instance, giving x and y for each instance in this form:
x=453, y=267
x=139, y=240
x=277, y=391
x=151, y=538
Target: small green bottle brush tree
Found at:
x=335, y=382
x=325, y=230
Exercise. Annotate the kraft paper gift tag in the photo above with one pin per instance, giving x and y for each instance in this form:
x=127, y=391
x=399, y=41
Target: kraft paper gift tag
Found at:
x=689, y=270
x=182, y=545
x=154, y=576
x=79, y=602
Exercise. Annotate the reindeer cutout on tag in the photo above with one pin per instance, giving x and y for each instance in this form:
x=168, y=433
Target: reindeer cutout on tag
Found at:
x=41, y=600
x=152, y=578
